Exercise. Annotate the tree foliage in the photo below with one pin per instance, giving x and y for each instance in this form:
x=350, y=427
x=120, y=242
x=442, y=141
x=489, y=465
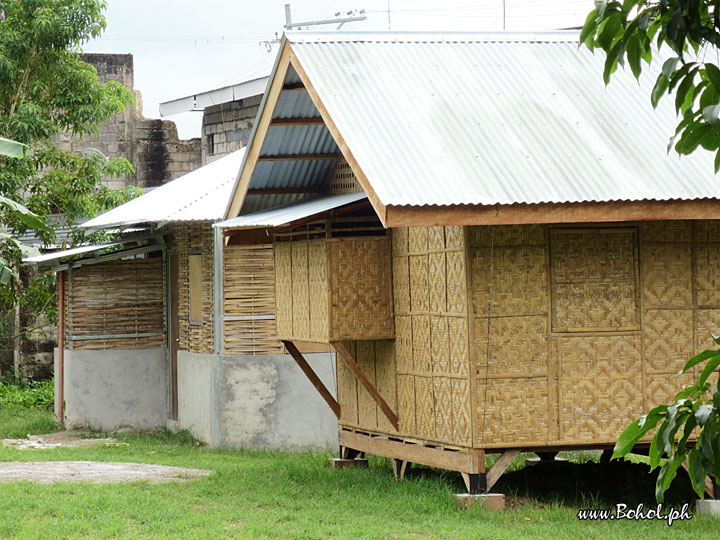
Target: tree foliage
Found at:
x=685, y=33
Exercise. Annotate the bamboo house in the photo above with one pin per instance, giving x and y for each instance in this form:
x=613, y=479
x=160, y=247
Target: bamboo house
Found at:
x=526, y=267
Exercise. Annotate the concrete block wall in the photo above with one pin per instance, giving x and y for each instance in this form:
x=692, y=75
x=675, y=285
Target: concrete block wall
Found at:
x=226, y=127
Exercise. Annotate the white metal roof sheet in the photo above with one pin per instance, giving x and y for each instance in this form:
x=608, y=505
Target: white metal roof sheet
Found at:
x=200, y=195
x=274, y=217
x=446, y=119
x=47, y=257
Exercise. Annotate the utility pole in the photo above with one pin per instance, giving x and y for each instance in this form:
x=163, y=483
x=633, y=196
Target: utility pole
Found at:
x=352, y=16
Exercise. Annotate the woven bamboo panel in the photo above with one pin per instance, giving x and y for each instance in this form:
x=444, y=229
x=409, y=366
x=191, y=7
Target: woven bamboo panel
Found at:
x=518, y=347
x=594, y=280
x=666, y=231
x=461, y=415
x=708, y=277
x=283, y=288
x=435, y=238
x=515, y=412
x=667, y=340
x=367, y=408
x=318, y=290
x=425, y=407
x=519, y=283
x=442, y=390
x=661, y=389
x=385, y=375
x=666, y=276
x=343, y=179
x=455, y=237
x=401, y=285
x=456, y=282
x=707, y=231
x=508, y=235
x=117, y=297
x=417, y=239
x=459, y=342
x=403, y=344
x=437, y=283
x=421, y=350
x=708, y=325
x=339, y=288
x=440, y=345
x=419, y=276
x=406, y=403
x=361, y=288
x=347, y=389
x=600, y=386
x=186, y=239
x=249, y=291
x=400, y=241
x=301, y=291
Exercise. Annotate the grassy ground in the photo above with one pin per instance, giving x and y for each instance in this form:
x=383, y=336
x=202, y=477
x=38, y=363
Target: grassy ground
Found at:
x=296, y=495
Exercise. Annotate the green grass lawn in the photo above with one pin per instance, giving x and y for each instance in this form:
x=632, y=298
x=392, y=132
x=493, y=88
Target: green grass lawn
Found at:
x=281, y=495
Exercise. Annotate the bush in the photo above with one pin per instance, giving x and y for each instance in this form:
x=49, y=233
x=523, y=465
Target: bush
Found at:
x=27, y=394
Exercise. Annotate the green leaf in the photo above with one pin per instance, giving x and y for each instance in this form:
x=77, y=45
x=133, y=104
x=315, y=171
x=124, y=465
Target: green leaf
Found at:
x=588, y=30
x=711, y=366
x=703, y=414
x=692, y=137
x=637, y=430
x=717, y=161
x=29, y=218
x=711, y=115
x=683, y=89
x=713, y=74
x=669, y=66
x=697, y=359
x=611, y=63
x=12, y=148
x=696, y=472
x=656, y=449
x=665, y=477
x=633, y=49
x=609, y=30
x=661, y=86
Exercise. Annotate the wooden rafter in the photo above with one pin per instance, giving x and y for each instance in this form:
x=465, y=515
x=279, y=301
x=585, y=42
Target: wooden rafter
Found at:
x=308, y=121
x=298, y=157
x=285, y=191
x=343, y=353
x=312, y=376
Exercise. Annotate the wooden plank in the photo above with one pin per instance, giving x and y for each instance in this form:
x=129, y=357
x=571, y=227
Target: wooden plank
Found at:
x=196, y=287
x=307, y=121
x=414, y=453
x=350, y=361
x=607, y=212
x=314, y=379
x=500, y=466
x=284, y=191
x=298, y=157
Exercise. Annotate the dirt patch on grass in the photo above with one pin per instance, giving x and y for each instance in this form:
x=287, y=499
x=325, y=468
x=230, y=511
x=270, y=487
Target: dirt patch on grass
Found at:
x=47, y=472
x=68, y=439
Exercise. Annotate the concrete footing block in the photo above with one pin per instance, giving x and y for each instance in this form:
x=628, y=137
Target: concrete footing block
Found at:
x=708, y=507
x=491, y=501
x=337, y=463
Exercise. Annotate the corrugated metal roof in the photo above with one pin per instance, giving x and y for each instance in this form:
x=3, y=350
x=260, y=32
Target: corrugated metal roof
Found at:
x=274, y=217
x=446, y=119
x=48, y=257
x=200, y=195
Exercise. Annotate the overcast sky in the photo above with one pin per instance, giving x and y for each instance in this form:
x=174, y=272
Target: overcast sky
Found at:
x=183, y=47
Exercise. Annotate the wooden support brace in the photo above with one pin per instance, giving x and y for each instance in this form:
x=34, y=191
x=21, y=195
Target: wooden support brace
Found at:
x=399, y=466
x=314, y=379
x=343, y=353
x=500, y=466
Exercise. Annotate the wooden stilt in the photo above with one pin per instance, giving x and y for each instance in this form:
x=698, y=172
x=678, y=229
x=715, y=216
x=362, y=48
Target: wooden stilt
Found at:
x=399, y=466
x=475, y=483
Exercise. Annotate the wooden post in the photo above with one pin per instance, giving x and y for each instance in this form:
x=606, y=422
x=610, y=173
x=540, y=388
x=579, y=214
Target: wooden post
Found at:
x=350, y=361
x=500, y=466
x=314, y=379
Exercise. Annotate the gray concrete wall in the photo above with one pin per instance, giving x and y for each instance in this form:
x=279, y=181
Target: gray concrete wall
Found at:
x=226, y=127
x=260, y=401
x=113, y=389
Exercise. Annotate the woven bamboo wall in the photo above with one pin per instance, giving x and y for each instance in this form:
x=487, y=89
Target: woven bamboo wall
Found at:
x=427, y=365
x=186, y=239
x=249, y=291
x=334, y=289
x=343, y=179
x=587, y=326
x=115, y=298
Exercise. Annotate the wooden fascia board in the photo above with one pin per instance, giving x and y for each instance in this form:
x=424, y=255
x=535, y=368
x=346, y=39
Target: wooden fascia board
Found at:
x=525, y=214
x=339, y=139
x=259, y=139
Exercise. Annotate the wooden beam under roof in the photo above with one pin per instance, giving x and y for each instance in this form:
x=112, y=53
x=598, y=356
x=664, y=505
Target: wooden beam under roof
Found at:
x=298, y=157
x=285, y=191
x=307, y=121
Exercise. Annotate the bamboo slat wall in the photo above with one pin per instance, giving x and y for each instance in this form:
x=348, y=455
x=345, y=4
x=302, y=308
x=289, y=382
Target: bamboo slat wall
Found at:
x=186, y=239
x=586, y=329
x=343, y=179
x=334, y=289
x=249, y=289
x=123, y=297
